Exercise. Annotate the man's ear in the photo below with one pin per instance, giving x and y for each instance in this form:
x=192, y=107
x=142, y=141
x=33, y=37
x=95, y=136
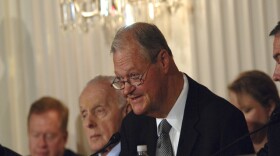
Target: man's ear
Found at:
x=164, y=60
x=65, y=137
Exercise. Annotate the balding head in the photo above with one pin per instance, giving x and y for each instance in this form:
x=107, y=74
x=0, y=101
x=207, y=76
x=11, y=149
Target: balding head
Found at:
x=102, y=110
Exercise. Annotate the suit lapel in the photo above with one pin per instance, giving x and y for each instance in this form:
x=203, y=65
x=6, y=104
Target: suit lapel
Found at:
x=149, y=135
x=152, y=137
x=188, y=134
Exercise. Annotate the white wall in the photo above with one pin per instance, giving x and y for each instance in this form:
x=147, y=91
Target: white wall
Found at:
x=212, y=41
x=229, y=36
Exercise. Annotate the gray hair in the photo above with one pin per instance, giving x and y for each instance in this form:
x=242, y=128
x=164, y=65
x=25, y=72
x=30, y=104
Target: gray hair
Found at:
x=107, y=80
x=147, y=36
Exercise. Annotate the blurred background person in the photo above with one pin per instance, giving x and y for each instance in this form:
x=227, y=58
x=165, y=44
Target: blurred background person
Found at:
x=102, y=110
x=256, y=95
x=273, y=143
x=47, y=128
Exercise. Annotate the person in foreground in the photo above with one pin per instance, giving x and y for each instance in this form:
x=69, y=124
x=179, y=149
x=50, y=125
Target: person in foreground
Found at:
x=272, y=148
x=256, y=95
x=172, y=113
x=102, y=109
x=47, y=128
x=4, y=151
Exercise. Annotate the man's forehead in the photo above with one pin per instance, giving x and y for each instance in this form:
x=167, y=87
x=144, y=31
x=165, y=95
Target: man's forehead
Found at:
x=126, y=65
x=276, y=46
x=277, y=39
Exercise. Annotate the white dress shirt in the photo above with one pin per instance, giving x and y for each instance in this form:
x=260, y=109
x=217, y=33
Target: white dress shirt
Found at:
x=175, y=116
x=115, y=150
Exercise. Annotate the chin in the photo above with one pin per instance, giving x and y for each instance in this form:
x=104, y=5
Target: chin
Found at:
x=93, y=150
x=137, y=112
x=95, y=147
x=139, y=109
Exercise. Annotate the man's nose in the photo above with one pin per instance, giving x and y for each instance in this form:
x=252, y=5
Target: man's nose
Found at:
x=90, y=121
x=276, y=74
x=128, y=88
x=42, y=141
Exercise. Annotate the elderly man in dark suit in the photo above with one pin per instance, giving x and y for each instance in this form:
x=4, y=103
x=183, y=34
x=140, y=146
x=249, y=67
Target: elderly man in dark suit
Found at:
x=172, y=113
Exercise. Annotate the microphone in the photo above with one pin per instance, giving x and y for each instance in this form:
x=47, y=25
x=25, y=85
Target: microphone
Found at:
x=113, y=140
x=273, y=119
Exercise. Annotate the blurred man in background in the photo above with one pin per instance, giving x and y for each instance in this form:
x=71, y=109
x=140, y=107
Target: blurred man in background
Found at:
x=102, y=110
x=47, y=128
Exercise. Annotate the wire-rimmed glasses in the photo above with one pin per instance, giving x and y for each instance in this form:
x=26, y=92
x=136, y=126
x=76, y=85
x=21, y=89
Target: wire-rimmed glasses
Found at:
x=133, y=79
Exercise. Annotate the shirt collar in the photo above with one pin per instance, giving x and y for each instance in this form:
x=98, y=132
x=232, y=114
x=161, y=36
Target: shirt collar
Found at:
x=115, y=150
x=176, y=114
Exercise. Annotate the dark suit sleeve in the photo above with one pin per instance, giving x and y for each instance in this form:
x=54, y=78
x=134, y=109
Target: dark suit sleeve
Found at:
x=219, y=125
x=4, y=151
x=137, y=130
x=234, y=135
x=124, y=142
x=273, y=144
x=213, y=124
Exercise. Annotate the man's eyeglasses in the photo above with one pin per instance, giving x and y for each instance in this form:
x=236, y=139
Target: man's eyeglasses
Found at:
x=133, y=79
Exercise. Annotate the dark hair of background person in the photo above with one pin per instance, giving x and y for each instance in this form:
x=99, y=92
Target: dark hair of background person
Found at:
x=45, y=104
x=257, y=84
x=275, y=30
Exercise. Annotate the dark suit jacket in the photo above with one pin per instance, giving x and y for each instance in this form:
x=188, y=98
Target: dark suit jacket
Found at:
x=272, y=148
x=209, y=124
x=274, y=134
x=4, y=151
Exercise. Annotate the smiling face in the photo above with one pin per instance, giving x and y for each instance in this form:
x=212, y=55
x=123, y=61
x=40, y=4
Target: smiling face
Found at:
x=101, y=114
x=148, y=97
x=46, y=138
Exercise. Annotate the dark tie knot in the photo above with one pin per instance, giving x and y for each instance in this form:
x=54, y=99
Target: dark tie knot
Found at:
x=164, y=127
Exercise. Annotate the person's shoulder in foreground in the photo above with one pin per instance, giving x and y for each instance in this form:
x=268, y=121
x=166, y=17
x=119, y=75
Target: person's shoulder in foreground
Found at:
x=4, y=151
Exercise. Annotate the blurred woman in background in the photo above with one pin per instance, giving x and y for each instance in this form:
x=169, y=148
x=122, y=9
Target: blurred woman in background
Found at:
x=256, y=95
